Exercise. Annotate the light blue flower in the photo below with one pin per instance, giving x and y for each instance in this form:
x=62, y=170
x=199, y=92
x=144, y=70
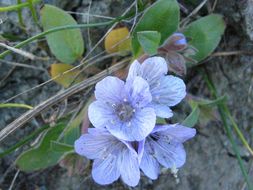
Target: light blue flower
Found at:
x=164, y=146
x=166, y=90
x=180, y=39
x=122, y=108
x=112, y=157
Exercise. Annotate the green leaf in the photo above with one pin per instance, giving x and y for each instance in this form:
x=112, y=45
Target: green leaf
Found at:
x=41, y=156
x=149, y=41
x=61, y=147
x=162, y=16
x=205, y=34
x=67, y=45
x=192, y=119
x=52, y=148
x=207, y=103
x=24, y=141
x=206, y=108
x=215, y=102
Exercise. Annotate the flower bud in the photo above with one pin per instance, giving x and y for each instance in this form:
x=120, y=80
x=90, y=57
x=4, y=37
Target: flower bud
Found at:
x=175, y=42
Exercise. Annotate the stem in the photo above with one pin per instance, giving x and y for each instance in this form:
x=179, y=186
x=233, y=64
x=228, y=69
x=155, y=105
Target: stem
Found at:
x=238, y=131
x=17, y=6
x=66, y=27
x=222, y=111
x=33, y=11
x=24, y=141
x=13, y=105
x=20, y=18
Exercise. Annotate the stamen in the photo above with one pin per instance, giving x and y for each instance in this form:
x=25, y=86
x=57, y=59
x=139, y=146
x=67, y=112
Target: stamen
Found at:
x=124, y=111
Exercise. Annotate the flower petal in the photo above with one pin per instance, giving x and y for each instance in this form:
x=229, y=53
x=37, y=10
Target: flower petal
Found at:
x=130, y=172
x=137, y=147
x=162, y=111
x=105, y=171
x=139, y=127
x=149, y=164
x=95, y=144
x=169, y=154
x=140, y=151
x=139, y=92
x=100, y=114
x=134, y=71
x=170, y=91
x=176, y=132
x=153, y=69
x=110, y=89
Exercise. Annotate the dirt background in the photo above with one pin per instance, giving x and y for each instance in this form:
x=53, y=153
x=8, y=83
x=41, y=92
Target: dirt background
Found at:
x=211, y=163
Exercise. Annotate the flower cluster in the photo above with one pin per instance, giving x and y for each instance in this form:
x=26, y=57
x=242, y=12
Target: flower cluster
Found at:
x=126, y=138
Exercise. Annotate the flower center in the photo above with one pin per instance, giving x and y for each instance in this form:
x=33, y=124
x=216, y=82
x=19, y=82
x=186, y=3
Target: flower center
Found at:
x=124, y=111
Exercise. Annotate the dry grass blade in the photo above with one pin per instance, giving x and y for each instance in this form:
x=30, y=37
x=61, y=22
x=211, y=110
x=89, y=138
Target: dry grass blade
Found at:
x=195, y=11
x=22, y=52
x=27, y=116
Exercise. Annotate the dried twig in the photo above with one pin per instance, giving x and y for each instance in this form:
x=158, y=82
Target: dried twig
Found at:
x=22, y=52
x=62, y=74
x=14, y=179
x=108, y=31
x=22, y=65
x=186, y=20
x=229, y=53
x=27, y=116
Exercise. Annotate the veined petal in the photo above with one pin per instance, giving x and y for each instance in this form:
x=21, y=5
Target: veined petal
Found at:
x=169, y=154
x=170, y=91
x=153, y=69
x=141, y=145
x=105, y=171
x=110, y=89
x=97, y=143
x=176, y=132
x=149, y=164
x=161, y=110
x=101, y=114
x=134, y=71
x=130, y=172
x=139, y=127
x=137, y=147
x=139, y=92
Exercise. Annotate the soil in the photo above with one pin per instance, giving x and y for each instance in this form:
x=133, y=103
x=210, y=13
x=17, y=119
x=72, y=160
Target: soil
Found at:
x=211, y=163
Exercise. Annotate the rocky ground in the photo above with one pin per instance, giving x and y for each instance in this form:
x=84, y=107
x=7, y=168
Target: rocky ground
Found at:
x=211, y=163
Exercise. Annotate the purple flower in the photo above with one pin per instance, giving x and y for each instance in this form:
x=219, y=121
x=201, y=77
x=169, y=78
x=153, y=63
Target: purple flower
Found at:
x=166, y=91
x=112, y=158
x=164, y=146
x=123, y=109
